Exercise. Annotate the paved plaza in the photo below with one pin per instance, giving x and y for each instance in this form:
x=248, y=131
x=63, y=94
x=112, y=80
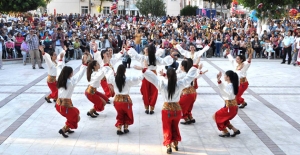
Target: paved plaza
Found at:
x=269, y=124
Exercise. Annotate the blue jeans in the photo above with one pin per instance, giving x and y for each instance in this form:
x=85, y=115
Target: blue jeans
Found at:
x=1, y=57
x=138, y=48
x=218, y=48
x=24, y=56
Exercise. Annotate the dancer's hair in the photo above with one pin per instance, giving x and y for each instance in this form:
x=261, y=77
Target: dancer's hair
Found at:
x=151, y=55
x=64, y=76
x=103, y=52
x=172, y=82
x=120, y=77
x=90, y=69
x=242, y=57
x=234, y=80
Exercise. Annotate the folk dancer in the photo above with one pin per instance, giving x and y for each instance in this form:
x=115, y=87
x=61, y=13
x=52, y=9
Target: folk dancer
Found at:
x=223, y=116
x=66, y=83
x=148, y=90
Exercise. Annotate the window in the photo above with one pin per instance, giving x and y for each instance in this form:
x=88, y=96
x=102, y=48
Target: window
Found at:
x=105, y=10
x=84, y=9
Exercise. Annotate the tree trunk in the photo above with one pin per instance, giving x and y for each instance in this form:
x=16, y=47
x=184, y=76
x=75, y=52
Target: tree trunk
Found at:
x=101, y=6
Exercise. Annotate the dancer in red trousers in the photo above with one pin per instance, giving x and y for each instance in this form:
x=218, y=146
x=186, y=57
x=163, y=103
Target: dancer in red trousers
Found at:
x=171, y=111
x=241, y=66
x=66, y=83
x=94, y=75
x=230, y=109
x=148, y=90
x=122, y=100
x=51, y=62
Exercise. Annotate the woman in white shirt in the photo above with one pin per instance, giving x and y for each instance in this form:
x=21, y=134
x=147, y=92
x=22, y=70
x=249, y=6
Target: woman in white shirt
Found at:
x=240, y=65
x=52, y=63
x=94, y=76
x=229, y=111
x=152, y=56
x=66, y=83
x=122, y=100
x=171, y=111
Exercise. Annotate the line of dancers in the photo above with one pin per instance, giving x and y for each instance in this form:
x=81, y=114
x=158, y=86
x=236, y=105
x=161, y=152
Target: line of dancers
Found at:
x=178, y=89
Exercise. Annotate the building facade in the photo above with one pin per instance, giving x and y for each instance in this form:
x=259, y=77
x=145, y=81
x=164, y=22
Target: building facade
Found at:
x=90, y=6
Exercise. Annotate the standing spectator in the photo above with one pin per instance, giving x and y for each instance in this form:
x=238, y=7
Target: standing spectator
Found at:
x=287, y=47
x=33, y=43
x=58, y=41
x=1, y=43
x=25, y=50
x=138, y=36
x=77, y=50
x=297, y=48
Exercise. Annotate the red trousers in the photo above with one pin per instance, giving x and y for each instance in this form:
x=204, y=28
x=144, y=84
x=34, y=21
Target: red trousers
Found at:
x=108, y=89
x=149, y=92
x=98, y=99
x=54, y=90
x=170, y=121
x=124, y=113
x=72, y=115
x=223, y=116
x=242, y=88
x=186, y=103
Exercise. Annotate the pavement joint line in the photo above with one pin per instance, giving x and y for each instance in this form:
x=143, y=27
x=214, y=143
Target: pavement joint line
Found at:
x=248, y=121
x=17, y=123
x=21, y=90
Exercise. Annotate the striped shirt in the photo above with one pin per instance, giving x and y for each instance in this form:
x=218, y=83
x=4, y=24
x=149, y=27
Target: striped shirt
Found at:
x=33, y=43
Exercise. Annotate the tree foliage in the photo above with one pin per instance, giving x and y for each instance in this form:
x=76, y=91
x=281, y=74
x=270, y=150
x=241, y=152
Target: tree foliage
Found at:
x=271, y=8
x=7, y=6
x=188, y=11
x=155, y=7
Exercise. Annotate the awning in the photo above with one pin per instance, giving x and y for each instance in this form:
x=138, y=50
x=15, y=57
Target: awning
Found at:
x=132, y=7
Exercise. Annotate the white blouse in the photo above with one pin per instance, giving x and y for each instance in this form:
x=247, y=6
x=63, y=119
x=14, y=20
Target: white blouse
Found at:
x=115, y=58
x=162, y=86
x=227, y=92
x=129, y=82
x=167, y=61
x=98, y=75
x=242, y=72
x=188, y=54
x=71, y=83
x=52, y=67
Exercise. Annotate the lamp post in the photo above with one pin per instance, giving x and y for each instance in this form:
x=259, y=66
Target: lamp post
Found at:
x=124, y=13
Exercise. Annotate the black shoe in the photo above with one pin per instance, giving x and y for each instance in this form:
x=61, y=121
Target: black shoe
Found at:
x=41, y=68
x=62, y=133
x=147, y=111
x=89, y=114
x=54, y=101
x=108, y=102
x=175, y=147
x=225, y=135
x=151, y=112
x=95, y=113
x=33, y=67
x=282, y=62
x=70, y=131
x=169, y=150
x=48, y=100
x=126, y=130
x=119, y=132
x=185, y=122
x=289, y=63
x=236, y=133
x=193, y=121
x=243, y=105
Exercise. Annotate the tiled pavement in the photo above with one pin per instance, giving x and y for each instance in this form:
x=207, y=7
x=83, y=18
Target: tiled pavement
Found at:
x=269, y=124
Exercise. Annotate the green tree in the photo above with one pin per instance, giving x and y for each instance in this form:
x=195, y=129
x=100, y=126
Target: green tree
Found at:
x=275, y=9
x=222, y=3
x=189, y=11
x=7, y=6
x=155, y=7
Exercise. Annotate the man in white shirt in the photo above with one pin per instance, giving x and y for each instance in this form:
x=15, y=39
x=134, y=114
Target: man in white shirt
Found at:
x=287, y=47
